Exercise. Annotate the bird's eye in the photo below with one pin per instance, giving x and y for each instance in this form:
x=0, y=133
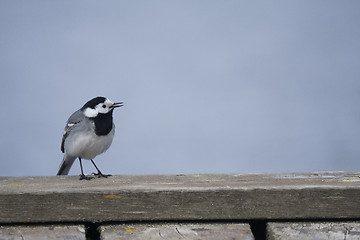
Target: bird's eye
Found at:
x=104, y=106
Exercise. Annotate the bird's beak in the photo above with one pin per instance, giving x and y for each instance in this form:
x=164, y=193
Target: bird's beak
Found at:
x=118, y=104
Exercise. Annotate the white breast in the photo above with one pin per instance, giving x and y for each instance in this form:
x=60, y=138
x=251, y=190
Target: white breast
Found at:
x=87, y=144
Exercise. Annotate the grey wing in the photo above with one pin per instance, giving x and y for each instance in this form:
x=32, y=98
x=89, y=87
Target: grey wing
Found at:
x=73, y=120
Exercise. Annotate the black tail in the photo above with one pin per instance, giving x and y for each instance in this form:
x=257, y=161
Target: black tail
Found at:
x=65, y=165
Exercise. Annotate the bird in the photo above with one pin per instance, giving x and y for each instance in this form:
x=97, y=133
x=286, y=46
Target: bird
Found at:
x=89, y=132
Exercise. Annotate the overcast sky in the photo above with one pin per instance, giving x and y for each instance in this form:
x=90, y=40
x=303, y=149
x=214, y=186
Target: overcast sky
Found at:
x=209, y=86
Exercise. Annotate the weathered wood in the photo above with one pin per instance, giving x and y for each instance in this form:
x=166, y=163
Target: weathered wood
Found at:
x=182, y=197
x=177, y=231
x=42, y=232
x=318, y=231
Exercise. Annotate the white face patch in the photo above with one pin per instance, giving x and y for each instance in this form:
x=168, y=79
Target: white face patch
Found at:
x=90, y=113
x=103, y=108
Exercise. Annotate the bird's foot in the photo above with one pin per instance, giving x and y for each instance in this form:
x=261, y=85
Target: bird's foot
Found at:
x=83, y=176
x=100, y=174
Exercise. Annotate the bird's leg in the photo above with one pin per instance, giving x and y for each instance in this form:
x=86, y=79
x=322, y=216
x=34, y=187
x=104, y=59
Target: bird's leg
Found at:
x=82, y=175
x=99, y=173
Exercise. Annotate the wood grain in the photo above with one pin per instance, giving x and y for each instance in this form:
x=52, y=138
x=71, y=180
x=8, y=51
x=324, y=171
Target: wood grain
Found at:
x=177, y=231
x=42, y=232
x=241, y=197
x=319, y=231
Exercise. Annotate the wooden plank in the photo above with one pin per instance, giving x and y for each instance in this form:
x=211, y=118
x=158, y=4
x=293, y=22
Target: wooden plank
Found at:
x=42, y=232
x=319, y=231
x=177, y=231
x=180, y=197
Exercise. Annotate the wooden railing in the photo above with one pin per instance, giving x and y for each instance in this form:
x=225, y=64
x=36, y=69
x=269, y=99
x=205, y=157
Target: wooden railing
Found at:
x=238, y=206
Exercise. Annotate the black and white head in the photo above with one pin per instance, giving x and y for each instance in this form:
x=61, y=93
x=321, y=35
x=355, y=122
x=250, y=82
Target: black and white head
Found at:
x=99, y=105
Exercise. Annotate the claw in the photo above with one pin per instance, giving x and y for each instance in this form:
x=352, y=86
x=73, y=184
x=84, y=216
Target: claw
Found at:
x=82, y=177
x=100, y=174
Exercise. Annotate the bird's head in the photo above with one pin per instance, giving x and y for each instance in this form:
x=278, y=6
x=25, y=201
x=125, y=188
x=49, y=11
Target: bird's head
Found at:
x=99, y=105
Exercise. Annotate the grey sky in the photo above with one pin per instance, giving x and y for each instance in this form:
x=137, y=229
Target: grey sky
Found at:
x=208, y=86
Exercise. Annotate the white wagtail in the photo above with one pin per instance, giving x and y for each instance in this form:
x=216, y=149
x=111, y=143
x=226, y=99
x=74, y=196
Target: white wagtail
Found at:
x=89, y=132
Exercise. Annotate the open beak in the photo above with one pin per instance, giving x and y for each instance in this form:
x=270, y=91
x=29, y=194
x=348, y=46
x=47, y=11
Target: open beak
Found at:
x=118, y=104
